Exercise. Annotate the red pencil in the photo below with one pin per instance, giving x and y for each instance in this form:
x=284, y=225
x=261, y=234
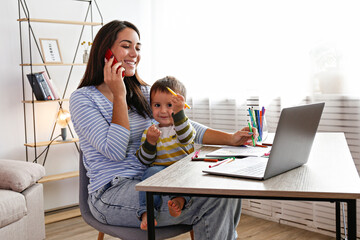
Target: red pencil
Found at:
x=258, y=145
x=210, y=160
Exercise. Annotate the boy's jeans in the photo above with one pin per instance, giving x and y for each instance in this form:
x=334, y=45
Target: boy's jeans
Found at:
x=142, y=195
x=157, y=198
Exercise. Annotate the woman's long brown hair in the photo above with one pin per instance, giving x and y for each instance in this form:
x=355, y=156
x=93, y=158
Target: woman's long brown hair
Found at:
x=94, y=74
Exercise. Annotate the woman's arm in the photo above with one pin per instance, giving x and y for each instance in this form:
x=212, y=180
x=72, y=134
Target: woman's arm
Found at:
x=205, y=135
x=216, y=137
x=114, y=80
x=94, y=128
x=120, y=112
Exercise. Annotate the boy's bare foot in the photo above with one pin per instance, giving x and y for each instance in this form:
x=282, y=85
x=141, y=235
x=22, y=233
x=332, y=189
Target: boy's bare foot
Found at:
x=143, y=224
x=175, y=206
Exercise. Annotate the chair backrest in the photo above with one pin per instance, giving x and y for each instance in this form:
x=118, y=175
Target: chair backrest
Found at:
x=125, y=233
x=83, y=191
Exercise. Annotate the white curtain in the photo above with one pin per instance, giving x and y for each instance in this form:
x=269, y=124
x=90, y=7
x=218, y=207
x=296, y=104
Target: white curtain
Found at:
x=238, y=47
x=232, y=54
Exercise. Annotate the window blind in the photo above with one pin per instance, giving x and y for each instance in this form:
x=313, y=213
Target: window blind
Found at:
x=341, y=114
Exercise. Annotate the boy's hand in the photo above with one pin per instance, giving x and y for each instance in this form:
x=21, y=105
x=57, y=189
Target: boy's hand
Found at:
x=153, y=135
x=178, y=103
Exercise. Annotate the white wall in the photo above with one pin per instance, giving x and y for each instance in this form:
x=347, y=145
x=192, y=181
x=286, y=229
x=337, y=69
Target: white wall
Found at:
x=61, y=158
x=160, y=23
x=258, y=47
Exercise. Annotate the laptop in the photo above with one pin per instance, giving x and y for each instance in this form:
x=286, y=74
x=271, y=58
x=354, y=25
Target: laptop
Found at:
x=293, y=140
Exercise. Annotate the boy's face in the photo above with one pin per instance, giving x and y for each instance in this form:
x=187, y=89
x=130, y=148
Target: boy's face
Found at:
x=162, y=108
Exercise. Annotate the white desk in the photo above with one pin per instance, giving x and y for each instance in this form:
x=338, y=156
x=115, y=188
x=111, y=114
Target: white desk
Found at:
x=329, y=175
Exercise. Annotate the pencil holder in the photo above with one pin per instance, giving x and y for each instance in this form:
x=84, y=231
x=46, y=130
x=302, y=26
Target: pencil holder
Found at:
x=264, y=131
x=258, y=120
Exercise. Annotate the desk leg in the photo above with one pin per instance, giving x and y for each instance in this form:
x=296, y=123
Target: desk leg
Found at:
x=150, y=215
x=351, y=219
x=338, y=220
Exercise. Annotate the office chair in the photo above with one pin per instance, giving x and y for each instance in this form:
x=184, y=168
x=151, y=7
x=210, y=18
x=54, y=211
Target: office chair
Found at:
x=125, y=233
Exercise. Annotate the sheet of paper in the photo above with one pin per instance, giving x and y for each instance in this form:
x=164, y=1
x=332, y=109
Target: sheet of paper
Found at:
x=242, y=151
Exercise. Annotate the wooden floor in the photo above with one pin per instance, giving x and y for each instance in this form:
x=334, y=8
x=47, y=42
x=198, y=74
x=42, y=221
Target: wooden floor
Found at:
x=249, y=228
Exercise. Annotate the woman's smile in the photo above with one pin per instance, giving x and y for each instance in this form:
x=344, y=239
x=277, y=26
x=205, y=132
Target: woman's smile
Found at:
x=130, y=63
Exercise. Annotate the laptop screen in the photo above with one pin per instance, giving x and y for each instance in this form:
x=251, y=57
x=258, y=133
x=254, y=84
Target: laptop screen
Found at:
x=294, y=137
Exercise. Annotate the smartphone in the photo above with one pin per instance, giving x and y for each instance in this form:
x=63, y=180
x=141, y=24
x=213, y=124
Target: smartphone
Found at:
x=108, y=55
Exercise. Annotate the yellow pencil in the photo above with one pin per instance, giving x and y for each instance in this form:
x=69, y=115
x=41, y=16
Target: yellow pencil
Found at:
x=173, y=93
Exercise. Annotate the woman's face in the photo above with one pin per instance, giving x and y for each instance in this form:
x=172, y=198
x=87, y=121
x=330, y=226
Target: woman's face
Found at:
x=126, y=49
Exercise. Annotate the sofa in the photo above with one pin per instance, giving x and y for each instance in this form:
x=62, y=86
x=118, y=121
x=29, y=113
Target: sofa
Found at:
x=21, y=201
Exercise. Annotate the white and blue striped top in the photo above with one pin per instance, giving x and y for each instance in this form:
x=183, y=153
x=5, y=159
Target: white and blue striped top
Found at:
x=109, y=149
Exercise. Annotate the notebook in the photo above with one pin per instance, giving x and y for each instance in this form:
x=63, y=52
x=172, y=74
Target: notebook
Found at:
x=293, y=140
x=241, y=151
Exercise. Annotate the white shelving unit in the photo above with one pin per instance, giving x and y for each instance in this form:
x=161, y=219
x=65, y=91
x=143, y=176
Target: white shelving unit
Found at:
x=30, y=54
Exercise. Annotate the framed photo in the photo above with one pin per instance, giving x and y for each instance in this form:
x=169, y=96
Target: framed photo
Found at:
x=50, y=50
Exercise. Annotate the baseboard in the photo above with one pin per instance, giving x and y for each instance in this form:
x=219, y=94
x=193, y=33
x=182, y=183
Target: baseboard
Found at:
x=56, y=215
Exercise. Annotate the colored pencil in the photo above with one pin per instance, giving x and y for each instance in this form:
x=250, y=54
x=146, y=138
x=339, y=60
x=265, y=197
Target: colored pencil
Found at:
x=173, y=93
x=252, y=137
x=215, y=165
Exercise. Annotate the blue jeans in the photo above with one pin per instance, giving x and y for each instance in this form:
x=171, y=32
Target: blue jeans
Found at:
x=117, y=203
x=157, y=198
x=142, y=195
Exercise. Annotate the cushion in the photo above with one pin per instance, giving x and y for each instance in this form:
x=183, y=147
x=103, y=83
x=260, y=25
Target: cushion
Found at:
x=19, y=175
x=12, y=207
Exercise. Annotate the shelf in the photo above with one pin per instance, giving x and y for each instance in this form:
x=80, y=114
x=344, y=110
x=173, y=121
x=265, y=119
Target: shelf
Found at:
x=59, y=21
x=46, y=143
x=32, y=60
x=53, y=64
x=45, y=101
x=60, y=176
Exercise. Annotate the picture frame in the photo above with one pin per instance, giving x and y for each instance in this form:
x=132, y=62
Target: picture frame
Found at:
x=50, y=50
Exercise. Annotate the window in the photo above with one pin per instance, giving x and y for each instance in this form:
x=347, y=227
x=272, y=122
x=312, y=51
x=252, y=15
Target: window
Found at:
x=233, y=47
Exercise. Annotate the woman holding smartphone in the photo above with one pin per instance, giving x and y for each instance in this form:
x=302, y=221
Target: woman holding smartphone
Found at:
x=110, y=113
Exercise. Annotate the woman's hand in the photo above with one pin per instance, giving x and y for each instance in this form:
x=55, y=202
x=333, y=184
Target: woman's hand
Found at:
x=113, y=78
x=244, y=137
x=153, y=135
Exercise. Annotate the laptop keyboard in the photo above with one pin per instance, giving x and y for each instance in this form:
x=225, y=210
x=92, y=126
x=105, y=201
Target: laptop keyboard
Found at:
x=253, y=170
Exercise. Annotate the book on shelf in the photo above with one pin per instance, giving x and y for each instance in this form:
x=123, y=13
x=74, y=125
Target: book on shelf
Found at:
x=42, y=86
x=52, y=86
x=36, y=86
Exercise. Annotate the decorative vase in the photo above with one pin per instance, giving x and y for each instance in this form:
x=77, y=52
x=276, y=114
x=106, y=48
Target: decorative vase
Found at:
x=85, y=56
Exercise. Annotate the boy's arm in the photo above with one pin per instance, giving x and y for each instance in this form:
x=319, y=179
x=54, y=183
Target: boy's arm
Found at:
x=146, y=153
x=185, y=131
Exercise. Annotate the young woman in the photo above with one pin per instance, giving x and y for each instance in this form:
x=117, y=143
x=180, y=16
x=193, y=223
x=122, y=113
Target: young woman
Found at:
x=110, y=113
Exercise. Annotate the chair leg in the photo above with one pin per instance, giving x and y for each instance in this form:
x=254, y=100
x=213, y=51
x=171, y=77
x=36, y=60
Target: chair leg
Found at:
x=101, y=236
x=192, y=234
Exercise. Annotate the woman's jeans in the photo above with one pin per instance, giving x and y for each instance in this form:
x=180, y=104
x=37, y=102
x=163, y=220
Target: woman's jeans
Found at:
x=212, y=218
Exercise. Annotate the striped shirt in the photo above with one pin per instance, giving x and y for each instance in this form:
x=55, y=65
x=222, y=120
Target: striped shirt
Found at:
x=175, y=142
x=108, y=148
